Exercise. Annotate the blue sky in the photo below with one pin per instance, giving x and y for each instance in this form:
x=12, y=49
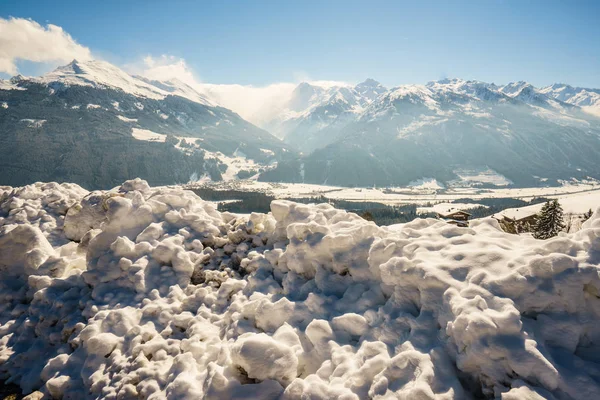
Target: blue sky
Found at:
x=395, y=42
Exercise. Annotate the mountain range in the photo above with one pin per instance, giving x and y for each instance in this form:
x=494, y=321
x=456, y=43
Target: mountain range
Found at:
x=94, y=124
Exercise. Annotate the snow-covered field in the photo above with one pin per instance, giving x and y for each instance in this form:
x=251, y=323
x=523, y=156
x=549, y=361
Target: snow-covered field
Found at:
x=447, y=208
x=577, y=203
x=146, y=292
x=420, y=193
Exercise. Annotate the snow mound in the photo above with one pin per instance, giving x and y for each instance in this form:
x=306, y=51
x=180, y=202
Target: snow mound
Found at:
x=143, y=292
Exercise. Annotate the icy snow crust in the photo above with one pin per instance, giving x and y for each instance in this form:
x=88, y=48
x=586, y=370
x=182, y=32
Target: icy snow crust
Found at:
x=143, y=292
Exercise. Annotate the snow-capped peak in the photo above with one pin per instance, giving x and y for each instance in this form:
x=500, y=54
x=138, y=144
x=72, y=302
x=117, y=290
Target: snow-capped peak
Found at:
x=477, y=89
x=100, y=74
x=179, y=88
x=370, y=89
x=369, y=82
x=588, y=99
x=514, y=88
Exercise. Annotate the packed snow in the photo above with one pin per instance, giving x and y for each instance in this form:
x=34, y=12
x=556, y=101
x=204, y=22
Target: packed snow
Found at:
x=143, y=292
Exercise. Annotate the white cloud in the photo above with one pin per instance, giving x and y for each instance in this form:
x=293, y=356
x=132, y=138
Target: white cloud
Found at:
x=302, y=76
x=164, y=68
x=257, y=104
x=24, y=39
x=251, y=102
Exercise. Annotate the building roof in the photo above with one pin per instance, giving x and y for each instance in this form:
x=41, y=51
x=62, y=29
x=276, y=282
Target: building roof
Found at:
x=453, y=213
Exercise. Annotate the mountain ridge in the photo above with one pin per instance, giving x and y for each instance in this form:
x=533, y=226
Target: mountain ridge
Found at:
x=93, y=124
x=386, y=136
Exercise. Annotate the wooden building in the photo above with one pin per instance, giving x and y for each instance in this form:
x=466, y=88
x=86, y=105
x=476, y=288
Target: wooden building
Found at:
x=458, y=218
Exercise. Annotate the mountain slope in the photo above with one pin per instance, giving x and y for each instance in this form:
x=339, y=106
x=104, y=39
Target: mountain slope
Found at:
x=95, y=125
x=438, y=129
x=314, y=116
x=587, y=99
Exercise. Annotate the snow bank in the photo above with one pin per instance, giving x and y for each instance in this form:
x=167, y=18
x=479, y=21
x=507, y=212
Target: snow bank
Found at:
x=146, y=292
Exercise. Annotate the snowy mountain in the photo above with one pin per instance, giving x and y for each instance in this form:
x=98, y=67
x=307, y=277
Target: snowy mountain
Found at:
x=314, y=116
x=587, y=99
x=94, y=124
x=521, y=133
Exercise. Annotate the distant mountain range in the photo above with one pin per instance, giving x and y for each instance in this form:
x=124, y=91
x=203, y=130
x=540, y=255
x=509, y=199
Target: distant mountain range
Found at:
x=368, y=135
x=93, y=124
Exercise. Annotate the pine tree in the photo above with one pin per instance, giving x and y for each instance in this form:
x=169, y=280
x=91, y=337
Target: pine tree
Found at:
x=549, y=221
x=587, y=215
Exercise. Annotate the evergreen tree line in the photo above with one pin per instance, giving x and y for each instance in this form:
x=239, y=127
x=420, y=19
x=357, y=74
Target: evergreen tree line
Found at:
x=550, y=221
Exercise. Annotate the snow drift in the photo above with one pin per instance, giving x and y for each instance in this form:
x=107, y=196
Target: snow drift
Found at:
x=144, y=292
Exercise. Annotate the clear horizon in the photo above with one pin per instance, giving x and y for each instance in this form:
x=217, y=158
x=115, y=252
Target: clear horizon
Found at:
x=267, y=43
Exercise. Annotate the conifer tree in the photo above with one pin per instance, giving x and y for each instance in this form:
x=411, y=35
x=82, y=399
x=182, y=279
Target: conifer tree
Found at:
x=549, y=221
x=587, y=215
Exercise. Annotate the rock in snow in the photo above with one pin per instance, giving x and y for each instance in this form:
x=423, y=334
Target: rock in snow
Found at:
x=144, y=292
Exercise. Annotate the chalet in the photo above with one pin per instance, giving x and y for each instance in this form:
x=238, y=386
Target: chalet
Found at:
x=458, y=218
x=517, y=220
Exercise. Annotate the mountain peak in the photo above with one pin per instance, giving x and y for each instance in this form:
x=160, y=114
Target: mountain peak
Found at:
x=514, y=88
x=369, y=82
x=100, y=74
x=447, y=81
x=370, y=89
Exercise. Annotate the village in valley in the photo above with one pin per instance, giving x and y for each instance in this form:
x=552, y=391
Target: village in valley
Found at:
x=515, y=209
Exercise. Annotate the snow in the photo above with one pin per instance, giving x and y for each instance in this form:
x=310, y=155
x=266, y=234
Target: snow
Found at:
x=147, y=135
x=6, y=84
x=101, y=74
x=33, y=123
x=426, y=183
x=179, y=88
x=4, y=105
x=578, y=203
x=92, y=106
x=479, y=176
x=268, y=152
x=587, y=99
x=164, y=297
x=402, y=195
x=416, y=126
x=125, y=119
x=447, y=208
x=235, y=163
